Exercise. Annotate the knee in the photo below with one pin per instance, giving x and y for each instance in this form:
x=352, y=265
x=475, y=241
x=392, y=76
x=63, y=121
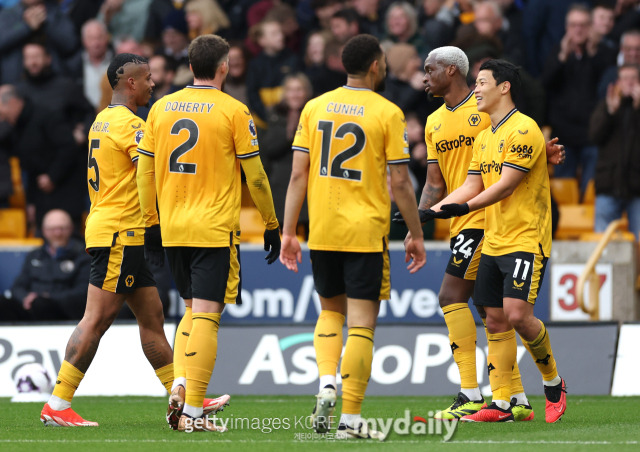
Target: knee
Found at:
x=518, y=319
x=99, y=324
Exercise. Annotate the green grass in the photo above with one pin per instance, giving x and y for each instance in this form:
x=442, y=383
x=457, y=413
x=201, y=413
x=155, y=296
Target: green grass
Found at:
x=137, y=423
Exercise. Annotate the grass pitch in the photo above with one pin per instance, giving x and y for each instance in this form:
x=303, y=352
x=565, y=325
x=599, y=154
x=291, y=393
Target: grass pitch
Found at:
x=265, y=423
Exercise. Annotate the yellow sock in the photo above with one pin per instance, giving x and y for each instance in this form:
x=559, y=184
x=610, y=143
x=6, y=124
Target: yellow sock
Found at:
x=327, y=341
x=68, y=380
x=462, y=338
x=516, y=379
x=540, y=350
x=501, y=356
x=165, y=375
x=356, y=368
x=200, y=356
x=180, y=344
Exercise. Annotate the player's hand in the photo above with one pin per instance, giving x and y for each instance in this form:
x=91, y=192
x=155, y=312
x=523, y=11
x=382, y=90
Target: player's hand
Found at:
x=424, y=214
x=153, y=250
x=290, y=254
x=272, y=244
x=556, y=154
x=415, y=252
x=453, y=210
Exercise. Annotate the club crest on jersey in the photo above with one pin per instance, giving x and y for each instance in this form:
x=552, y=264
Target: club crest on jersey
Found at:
x=139, y=135
x=252, y=128
x=501, y=146
x=474, y=119
x=406, y=139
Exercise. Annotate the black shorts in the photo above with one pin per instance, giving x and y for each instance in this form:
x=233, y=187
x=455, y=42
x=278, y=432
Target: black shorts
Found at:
x=359, y=275
x=514, y=275
x=466, y=248
x=119, y=268
x=206, y=273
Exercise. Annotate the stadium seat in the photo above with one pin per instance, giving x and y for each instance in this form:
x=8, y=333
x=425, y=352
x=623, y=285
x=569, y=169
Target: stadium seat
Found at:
x=441, y=229
x=251, y=225
x=17, y=199
x=575, y=220
x=13, y=223
x=565, y=190
x=590, y=193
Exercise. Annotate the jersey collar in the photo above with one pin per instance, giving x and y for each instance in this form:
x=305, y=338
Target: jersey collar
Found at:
x=464, y=101
x=201, y=87
x=503, y=120
x=355, y=89
x=120, y=105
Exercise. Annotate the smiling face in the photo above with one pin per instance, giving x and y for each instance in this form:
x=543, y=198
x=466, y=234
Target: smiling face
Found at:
x=143, y=83
x=487, y=92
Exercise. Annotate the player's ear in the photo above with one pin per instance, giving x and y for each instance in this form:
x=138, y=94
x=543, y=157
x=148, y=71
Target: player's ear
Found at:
x=506, y=87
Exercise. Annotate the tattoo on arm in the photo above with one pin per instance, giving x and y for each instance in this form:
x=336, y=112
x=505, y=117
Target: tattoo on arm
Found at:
x=431, y=195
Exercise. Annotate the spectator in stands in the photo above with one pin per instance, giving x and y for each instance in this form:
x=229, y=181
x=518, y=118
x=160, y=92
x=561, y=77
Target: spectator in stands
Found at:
x=371, y=16
x=90, y=65
x=629, y=54
x=437, y=21
x=268, y=69
x=44, y=142
x=276, y=140
x=125, y=18
x=627, y=17
x=205, y=17
x=235, y=85
x=323, y=11
x=543, y=25
x=344, y=25
x=162, y=75
x=26, y=20
x=58, y=92
x=175, y=45
x=6, y=184
x=401, y=23
x=323, y=63
x=615, y=128
x=602, y=21
x=404, y=86
x=52, y=284
x=571, y=77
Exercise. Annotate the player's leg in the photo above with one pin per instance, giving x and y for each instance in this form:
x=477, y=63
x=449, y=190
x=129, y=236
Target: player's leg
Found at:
x=501, y=340
x=327, y=337
x=214, y=282
x=521, y=292
x=104, y=300
x=366, y=277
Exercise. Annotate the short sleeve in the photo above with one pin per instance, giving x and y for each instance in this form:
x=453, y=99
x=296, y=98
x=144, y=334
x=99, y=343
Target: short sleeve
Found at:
x=474, y=166
x=245, y=135
x=301, y=138
x=396, y=138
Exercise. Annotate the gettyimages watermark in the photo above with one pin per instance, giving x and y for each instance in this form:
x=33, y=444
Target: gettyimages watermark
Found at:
x=401, y=426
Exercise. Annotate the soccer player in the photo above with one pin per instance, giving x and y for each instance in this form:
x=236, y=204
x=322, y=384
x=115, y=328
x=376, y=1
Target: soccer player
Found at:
x=193, y=146
x=449, y=135
x=508, y=178
x=344, y=142
x=115, y=240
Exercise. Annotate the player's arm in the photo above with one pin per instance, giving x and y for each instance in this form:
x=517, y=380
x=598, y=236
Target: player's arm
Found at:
x=434, y=189
x=502, y=189
x=404, y=196
x=146, y=180
x=471, y=188
x=291, y=253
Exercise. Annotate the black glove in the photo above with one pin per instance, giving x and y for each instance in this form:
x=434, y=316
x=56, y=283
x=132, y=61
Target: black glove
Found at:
x=272, y=242
x=153, y=250
x=425, y=215
x=454, y=210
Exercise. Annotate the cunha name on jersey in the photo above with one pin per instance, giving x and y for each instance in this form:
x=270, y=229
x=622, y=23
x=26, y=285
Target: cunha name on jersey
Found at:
x=98, y=126
x=345, y=109
x=189, y=107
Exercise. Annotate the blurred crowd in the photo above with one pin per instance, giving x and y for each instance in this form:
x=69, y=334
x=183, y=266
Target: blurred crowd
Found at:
x=579, y=67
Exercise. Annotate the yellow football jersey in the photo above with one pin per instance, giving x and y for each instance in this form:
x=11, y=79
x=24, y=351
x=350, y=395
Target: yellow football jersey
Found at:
x=449, y=134
x=196, y=137
x=350, y=134
x=111, y=178
x=522, y=221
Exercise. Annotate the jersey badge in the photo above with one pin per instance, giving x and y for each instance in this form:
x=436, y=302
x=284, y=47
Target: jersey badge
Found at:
x=252, y=128
x=474, y=119
x=139, y=135
x=501, y=146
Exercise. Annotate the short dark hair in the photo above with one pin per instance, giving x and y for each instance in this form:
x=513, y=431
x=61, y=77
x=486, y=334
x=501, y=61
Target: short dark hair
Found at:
x=116, y=67
x=359, y=52
x=504, y=71
x=349, y=15
x=205, y=55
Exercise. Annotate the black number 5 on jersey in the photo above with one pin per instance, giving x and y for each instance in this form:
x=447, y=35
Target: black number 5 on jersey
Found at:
x=182, y=167
x=349, y=128
x=93, y=163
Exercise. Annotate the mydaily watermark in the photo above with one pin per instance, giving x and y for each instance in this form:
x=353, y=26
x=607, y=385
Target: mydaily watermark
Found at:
x=401, y=426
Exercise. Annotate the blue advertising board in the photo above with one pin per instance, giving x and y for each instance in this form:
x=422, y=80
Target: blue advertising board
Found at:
x=273, y=295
